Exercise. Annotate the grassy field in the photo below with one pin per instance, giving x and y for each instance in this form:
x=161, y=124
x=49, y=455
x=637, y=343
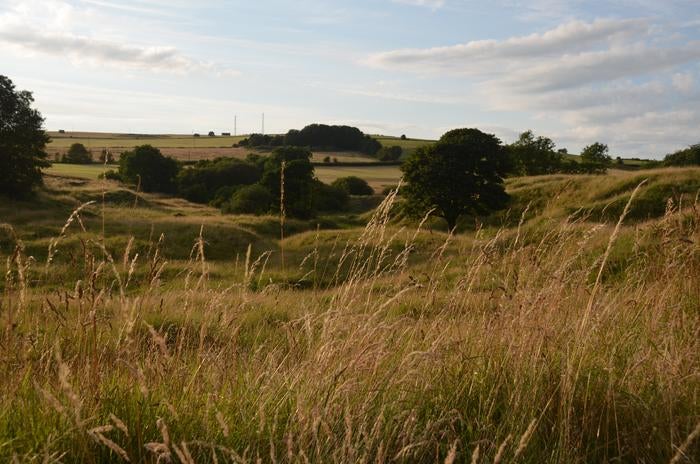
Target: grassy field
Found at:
x=99, y=140
x=143, y=328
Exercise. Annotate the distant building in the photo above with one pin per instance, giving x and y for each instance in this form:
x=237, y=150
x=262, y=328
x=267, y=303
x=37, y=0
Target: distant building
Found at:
x=61, y=131
x=225, y=134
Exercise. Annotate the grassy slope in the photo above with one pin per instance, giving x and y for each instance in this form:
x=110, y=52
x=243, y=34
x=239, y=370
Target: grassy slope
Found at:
x=420, y=343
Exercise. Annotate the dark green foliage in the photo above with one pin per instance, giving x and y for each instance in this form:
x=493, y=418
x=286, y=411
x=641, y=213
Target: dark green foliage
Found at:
x=110, y=175
x=353, y=185
x=329, y=198
x=687, y=157
x=392, y=153
x=298, y=180
x=532, y=156
x=77, y=154
x=460, y=174
x=318, y=137
x=249, y=199
x=146, y=167
x=201, y=182
x=22, y=141
x=596, y=153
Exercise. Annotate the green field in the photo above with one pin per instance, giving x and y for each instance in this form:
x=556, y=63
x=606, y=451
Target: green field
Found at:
x=98, y=140
x=83, y=171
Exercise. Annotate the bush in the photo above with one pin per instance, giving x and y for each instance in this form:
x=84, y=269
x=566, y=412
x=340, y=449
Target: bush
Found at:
x=329, y=198
x=201, y=182
x=110, y=175
x=251, y=199
x=147, y=167
x=77, y=154
x=392, y=153
x=353, y=185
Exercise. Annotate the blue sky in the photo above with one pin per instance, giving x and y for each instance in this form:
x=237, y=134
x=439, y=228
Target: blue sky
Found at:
x=625, y=72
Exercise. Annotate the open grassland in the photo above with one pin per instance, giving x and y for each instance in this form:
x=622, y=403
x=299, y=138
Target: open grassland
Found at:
x=145, y=329
x=408, y=145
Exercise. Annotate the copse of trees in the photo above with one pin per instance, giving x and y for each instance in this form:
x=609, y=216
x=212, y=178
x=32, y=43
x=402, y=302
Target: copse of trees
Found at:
x=77, y=154
x=533, y=156
x=208, y=180
x=298, y=180
x=146, y=167
x=318, y=137
x=687, y=157
x=22, y=141
x=249, y=199
x=392, y=153
x=460, y=174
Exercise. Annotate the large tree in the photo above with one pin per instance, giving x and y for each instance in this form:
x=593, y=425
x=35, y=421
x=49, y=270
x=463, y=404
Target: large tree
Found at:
x=22, y=141
x=298, y=180
x=460, y=174
x=596, y=153
x=148, y=168
x=78, y=154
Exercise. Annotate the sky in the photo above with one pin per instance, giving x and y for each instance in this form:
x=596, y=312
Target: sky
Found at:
x=621, y=72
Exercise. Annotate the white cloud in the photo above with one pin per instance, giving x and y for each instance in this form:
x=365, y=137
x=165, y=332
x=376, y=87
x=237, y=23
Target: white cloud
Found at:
x=56, y=38
x=616, y=81
x=683, y=82
x=432, y=4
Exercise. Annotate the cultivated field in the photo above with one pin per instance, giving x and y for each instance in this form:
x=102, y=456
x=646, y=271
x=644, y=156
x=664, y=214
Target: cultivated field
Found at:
x=145, y=328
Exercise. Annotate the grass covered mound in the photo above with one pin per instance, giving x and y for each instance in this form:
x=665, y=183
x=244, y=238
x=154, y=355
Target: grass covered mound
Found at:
x=559, y=339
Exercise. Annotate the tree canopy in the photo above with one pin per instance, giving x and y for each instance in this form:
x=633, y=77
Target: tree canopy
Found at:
x=318, y=137
x=298, y=180
x=147, y=167
x=353, y=185
x=460, y=174
x=597, y=153
x=22, y=141
x=532, y=156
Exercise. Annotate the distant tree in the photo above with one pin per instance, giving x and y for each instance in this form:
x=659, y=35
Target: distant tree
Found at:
x=353, y=185
x=563, y=151
x=392, y=153
x=77, y=154
x=298, y=179
x=619, y=161
x=687, y=157
x=596, y=153
x=250, y=199
x=22, y=141
x=326, y=159
x=532, y=156
x=195, y=135
x=403, y=136
x=460, y=174
x=335, y=160
x=147, y=167
x=212, y=134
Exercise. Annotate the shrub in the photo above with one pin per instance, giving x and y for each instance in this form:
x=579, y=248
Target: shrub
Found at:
x=250, y=199
x=110, y=175
x=353, y=185
x=329, y=198
x=392, y=153
x=201, y=182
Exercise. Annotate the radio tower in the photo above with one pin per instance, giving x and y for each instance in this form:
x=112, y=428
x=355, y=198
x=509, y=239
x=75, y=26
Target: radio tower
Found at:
x=263, y=123
x=235, y=121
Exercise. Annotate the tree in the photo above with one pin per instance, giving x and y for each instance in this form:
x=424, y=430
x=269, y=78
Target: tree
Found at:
x=298, y=180
x=22, y=141
x=687, y=157
x=201, y=183
x=147, y=167
x=250, y=199
x=392, y=153
x=596, y=153
x=77, y=154
x=353, y=185
x=460, y=174
x=532, y=156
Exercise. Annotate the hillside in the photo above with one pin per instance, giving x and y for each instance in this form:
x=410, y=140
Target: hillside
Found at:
x=544, y=336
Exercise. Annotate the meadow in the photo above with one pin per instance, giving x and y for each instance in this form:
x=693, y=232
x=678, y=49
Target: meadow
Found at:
x=143, y=328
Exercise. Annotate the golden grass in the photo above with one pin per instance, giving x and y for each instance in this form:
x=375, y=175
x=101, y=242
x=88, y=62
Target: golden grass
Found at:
x=566, y=341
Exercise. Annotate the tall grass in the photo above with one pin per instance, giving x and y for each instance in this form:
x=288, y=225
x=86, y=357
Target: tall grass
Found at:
x=565, y=342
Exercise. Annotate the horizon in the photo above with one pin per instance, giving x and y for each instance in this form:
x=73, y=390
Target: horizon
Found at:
x=622, y=73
